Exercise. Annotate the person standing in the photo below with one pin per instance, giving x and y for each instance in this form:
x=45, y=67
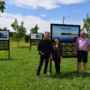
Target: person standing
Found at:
x=81, y=45
x=45, y=51
x=57, y=52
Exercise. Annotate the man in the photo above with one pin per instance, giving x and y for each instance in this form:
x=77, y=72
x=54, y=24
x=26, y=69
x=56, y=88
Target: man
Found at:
x=82, y=44
x=44, y=48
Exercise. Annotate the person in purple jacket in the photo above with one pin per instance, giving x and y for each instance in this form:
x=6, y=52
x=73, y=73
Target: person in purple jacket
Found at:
x=82, y=46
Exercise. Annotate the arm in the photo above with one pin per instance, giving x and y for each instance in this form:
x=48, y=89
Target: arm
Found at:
x=39, y=48
x=39, y=45
x=61, y=50
x=75, y=48
x=51, y=55
x=50, y=48
x=88, y=46
x=88, y=49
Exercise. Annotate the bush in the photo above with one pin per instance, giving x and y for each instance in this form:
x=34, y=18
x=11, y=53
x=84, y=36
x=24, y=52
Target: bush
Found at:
x=26, y=38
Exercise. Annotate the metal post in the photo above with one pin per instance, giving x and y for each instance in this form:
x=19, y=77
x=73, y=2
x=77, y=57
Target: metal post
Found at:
x=30, y=42
x=63, y=19
x=9, y=54
x=50, y=66
x=9, y=48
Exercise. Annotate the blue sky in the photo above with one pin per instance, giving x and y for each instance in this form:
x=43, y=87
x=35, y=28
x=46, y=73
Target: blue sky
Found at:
x=43, y=13
x=4, y=32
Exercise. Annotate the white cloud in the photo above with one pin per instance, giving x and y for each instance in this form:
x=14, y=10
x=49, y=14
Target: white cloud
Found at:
x=30, y=21
x=47, y=4
x=76, y=10
x=43, y=15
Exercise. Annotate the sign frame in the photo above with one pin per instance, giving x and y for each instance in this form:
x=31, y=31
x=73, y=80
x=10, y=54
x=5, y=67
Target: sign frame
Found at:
x=35, y=33
x=65, y=25
x=34, y=39
x=8, y=43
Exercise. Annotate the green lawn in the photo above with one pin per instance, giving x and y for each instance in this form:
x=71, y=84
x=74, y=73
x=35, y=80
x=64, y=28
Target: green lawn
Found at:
x=19, y=73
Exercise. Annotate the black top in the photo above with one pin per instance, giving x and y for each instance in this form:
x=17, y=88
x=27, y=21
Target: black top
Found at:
x=45, y=46
x=55, y=56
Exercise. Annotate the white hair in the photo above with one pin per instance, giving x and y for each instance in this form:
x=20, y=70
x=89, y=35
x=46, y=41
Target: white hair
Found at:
x=46, y=32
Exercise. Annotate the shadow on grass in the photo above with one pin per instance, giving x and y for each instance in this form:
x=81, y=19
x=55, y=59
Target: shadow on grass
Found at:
x=70, y=75
x=24, y=47
x=3, y=59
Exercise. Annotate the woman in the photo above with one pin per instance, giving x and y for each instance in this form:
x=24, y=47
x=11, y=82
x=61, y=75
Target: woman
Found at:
x=57, y=51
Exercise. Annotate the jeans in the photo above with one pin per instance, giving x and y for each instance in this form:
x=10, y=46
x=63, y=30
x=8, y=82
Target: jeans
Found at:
x=42, y=57
x=57, y=64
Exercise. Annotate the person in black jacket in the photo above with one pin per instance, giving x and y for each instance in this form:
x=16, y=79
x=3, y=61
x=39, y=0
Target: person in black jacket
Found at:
x=57, y=53
x=45, y=50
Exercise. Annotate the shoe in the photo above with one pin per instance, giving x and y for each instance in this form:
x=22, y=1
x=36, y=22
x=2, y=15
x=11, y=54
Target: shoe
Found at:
x=49, y=73
x=85, y=73
x=78, y=72
x=45, y=75
x=37, y=76
x=58, y=73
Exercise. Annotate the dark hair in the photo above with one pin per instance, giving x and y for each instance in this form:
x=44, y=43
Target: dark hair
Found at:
x=55, y=38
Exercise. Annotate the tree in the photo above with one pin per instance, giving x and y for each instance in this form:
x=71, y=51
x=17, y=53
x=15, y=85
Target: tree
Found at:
x=20, y=31
x=2, y=3
x=86, y=24
x=35, y=29
x=5, y=28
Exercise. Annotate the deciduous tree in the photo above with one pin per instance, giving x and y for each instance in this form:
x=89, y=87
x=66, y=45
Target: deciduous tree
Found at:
x=20, y=31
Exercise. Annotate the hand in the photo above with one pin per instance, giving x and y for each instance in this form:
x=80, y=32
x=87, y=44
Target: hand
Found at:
x=75, y=53
x=61, y=58
x=87, y=52
x=42, y=53
x=51, y=57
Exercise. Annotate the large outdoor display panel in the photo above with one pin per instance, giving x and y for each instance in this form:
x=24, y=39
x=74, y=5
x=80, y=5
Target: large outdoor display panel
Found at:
x=36, y=36
x=65, y=33
x=4, y=39
x=4, y=35
x=34, y=39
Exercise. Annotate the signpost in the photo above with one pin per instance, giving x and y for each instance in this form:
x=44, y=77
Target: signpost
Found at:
x=34, y=38
x=4, y=41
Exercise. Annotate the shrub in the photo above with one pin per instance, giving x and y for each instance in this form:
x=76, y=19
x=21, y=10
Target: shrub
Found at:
x=26, y=38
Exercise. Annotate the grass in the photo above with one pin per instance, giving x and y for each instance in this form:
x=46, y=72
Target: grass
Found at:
x=19, y=72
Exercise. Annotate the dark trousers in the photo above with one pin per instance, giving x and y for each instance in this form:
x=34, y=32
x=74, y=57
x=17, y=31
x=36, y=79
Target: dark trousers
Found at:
x=57, y=64
x=42, y=57
x=82, y=55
